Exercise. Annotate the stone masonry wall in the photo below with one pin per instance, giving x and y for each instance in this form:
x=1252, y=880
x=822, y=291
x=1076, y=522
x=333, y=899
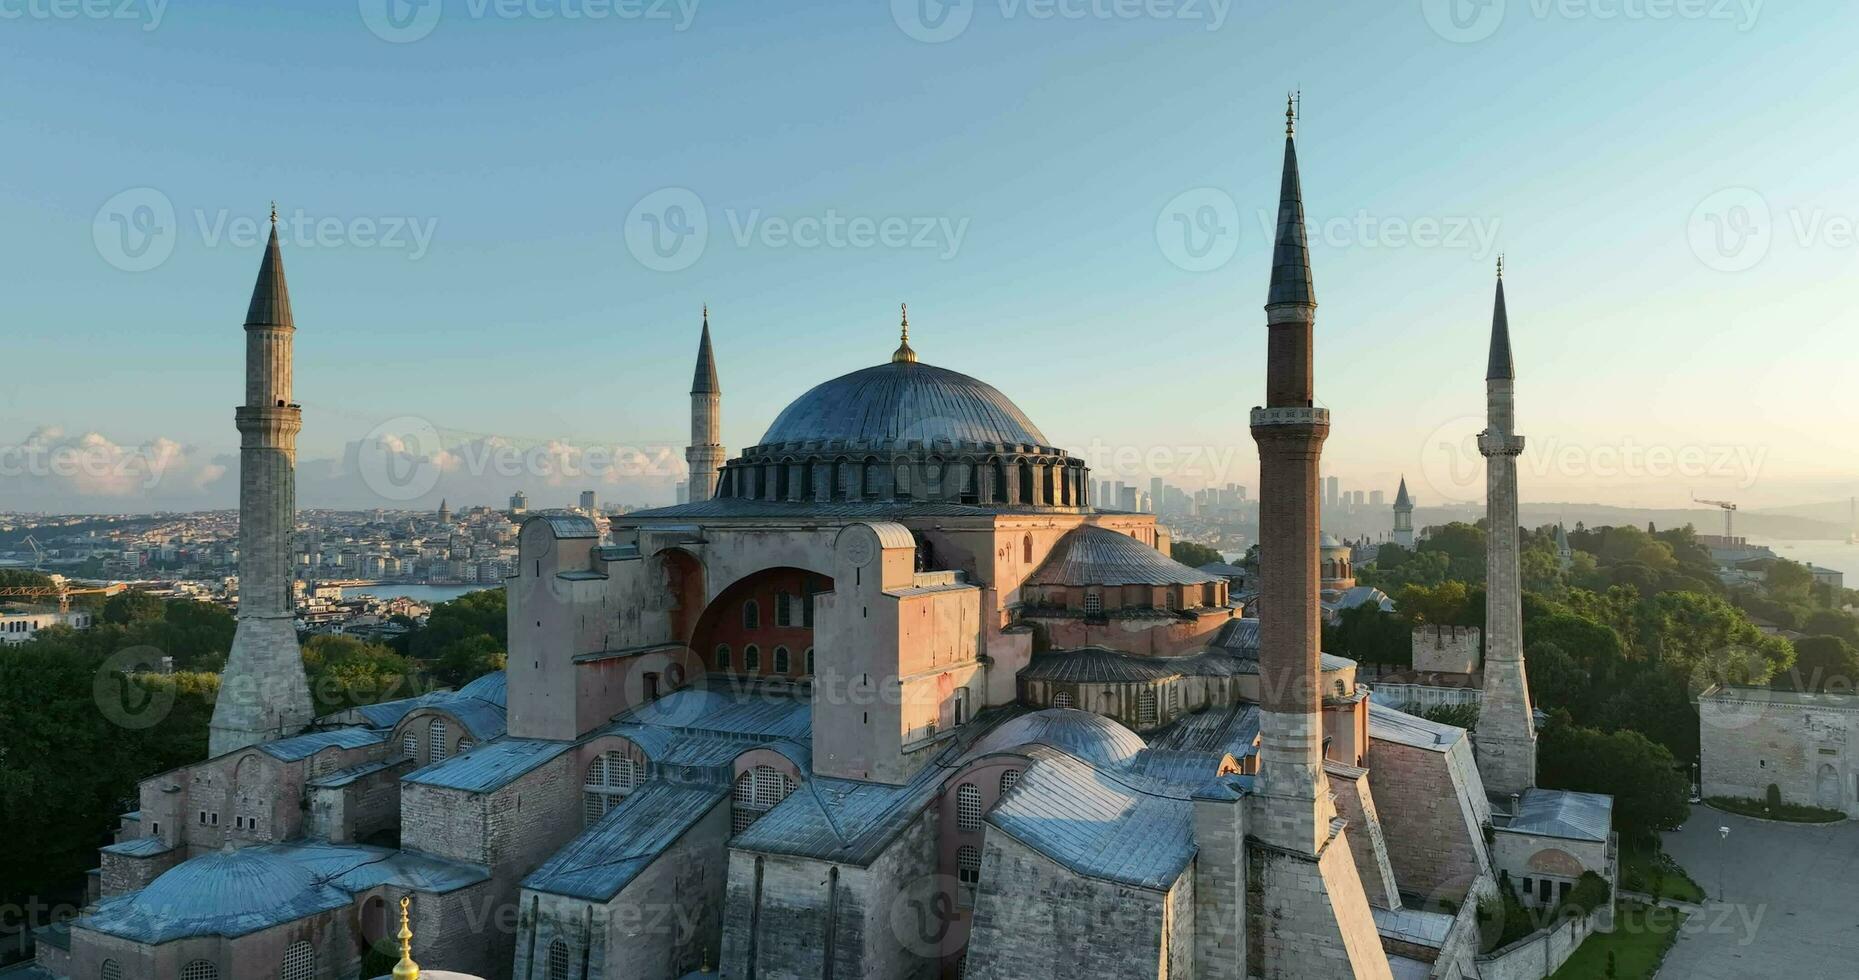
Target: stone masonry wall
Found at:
x=1432, y=817
x=1035, y=918
x=1749, y=741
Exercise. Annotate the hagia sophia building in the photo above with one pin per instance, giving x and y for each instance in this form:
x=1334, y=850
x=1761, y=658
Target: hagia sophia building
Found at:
x=890, y=697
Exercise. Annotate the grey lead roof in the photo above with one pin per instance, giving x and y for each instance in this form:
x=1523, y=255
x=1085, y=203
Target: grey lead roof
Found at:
x=825, y=510
x=1092, y=555
x=1291, y=283
x=569, y=525
x=1098, y=823
x=1386, y=724
x=601, y=862
x=899, y=402
x=270, y=306
x=1080, y=733
x=490, y=766
x=1563, y=813
x=300, y=747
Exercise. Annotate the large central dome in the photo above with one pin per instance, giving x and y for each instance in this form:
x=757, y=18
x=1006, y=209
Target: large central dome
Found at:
x=905, y=402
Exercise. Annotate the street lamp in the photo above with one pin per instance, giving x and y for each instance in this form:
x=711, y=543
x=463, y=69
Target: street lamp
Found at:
x=1723, y=836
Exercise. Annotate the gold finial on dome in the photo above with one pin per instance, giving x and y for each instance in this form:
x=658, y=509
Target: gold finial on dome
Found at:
x=406, y=969
x=904, y=354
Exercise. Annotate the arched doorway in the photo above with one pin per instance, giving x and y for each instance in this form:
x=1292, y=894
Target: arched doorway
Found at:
x=1829, y=787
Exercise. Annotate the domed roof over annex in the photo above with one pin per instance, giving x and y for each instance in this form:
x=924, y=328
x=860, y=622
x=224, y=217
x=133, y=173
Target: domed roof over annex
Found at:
x=228, y=893
x=905, y=432
x=1093, y=737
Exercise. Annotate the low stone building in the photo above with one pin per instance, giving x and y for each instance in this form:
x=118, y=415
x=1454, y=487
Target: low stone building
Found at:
x=1805, y=744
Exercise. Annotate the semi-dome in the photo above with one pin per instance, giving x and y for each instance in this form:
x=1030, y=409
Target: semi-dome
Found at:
x=227, y=893
x=902, y=402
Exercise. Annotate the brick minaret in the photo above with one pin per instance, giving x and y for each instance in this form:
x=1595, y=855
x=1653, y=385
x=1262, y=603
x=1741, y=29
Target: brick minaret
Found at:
x=1290, y=431
x=705, y=453
x=263, y=693
x=1506, y=738
x=1403, y=517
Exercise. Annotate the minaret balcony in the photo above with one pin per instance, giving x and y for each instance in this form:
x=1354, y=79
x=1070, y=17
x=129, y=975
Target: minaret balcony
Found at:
x=1499, y=444
x=1303, y=415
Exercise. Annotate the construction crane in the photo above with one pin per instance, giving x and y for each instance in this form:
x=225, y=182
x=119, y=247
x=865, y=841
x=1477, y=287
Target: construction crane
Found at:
x=61, y=590
x=1729, y=514
x=38, y=553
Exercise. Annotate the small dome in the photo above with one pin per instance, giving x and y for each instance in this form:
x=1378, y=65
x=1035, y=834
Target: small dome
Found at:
x=491, y=687
x=1091, y=737
x=1092, y=555
x=901, y=402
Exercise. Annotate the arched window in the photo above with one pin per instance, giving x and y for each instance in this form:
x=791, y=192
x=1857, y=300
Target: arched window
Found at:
x=781, y=660
x=1062, y=699
x=465, y=744
x=869, y=480
x=722, y=656
x=299, y=962
x=752, y=659
x=751, y=615
x=610, y=777
x=1026, y=483
x=435, y=740
x=200, y=970
x=1145, y=706
x=112, y=970
x=1026, y=549
x=784, y=611
x=961, y=706
x=410, y=746
x=1009, y=779
x=809, y=660
x=1093, y=603
x=900, y=487
x=968, y=808
x=842, y=476
x=998, y=474
x=558, y=960
x=756, y=792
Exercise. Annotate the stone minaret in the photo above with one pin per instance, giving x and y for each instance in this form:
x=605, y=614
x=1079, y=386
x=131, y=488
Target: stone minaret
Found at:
x=1290, y=431
x=263, y=693
x=705, y=453
x=1307, y=915
x=1403, y=517
x=1506, y=739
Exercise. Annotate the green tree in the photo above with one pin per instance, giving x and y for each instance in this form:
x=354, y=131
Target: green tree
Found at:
x=1193, y=555
x=1788, y=582
x=345, y=672
x=128, y=608
x=1822, y=663
x=1649, y=790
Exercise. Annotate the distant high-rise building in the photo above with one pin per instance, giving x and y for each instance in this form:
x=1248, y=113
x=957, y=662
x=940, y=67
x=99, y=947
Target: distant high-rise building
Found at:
x=1106, y=495
x=1358, y=499
x=1126, y=499
x=1332, y=492
x=1377, y=498
x=519, y=503
x=684, y=492
x=1155, y=495
x=588, y=502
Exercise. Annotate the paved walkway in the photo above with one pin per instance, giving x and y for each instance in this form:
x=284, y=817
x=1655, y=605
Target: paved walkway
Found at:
x=1783, y=899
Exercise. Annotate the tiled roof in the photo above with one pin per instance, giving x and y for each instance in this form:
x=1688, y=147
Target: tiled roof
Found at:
x=1092, y=555
x=1098, y=823
x=606, y=857
x=1563, y=813
x=300, y=747
x=490, y=766
x=1387, y=724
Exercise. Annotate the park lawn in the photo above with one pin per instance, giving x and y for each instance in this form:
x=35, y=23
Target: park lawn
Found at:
x=1638, y=862
x=1639, y=943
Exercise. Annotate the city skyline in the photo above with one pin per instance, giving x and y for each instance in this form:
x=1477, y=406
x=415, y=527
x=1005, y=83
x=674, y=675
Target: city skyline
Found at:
x=402, y=328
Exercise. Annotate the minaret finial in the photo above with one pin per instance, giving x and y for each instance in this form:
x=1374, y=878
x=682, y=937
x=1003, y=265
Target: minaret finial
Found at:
x=1293, y=103
x=406, y=969
x=904, y=355
x=1500, y=265
x=274, y=214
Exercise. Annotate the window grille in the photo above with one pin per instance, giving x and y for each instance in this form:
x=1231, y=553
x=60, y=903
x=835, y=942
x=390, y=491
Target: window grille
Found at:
x=465, y=745
x=1093, y=604
x=299, y=962
x=435, y=741
x=1063, y=699
x=558, y=960
x=1008, y=780
x=1145, y=706
x=200, y=970
x=968, y=808
x=112, y=970
x=968, y=864
x=410, y=746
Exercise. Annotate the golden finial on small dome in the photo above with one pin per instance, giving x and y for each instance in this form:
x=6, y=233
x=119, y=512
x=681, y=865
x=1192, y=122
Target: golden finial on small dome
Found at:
x=406, y=969
x=904, y=354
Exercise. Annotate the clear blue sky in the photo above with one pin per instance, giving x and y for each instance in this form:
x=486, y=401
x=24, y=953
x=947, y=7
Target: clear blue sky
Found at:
x=1586, y=134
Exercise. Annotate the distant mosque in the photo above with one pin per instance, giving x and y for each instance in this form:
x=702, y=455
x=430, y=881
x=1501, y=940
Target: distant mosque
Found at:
x=890, y=697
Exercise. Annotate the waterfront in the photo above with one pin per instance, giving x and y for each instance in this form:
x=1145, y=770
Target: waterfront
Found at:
x=1836, y=555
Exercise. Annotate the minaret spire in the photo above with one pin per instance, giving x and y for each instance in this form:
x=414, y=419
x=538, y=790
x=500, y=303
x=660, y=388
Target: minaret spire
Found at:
x=1500, y=365
x=705, y=453
x=263, y=691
